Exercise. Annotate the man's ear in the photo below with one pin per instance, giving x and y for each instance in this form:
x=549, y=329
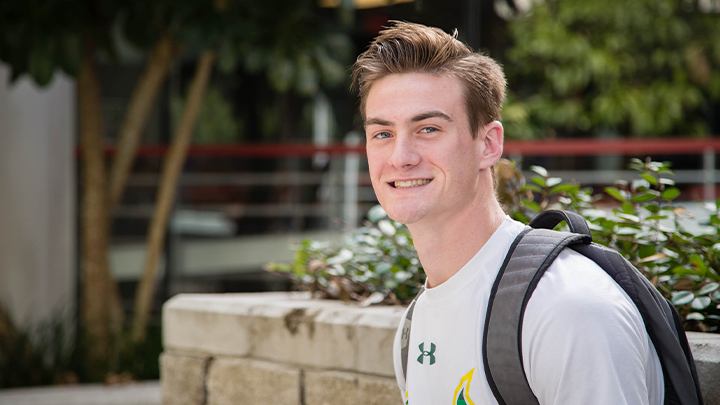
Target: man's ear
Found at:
x=491, y=136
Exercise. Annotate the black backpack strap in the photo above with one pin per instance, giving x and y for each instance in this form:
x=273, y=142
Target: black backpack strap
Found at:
x=529, y=257
x=550, y=218
x=661, y=322
x=405, y=338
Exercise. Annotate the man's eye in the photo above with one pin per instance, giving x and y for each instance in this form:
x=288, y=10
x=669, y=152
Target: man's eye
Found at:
x=428, y=130
x=382, y=135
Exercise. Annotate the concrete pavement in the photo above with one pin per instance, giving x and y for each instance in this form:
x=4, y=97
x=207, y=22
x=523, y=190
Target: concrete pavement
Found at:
x=139, y=393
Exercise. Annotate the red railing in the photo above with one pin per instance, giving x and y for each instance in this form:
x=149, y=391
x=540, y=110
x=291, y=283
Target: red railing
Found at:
x=555, y=147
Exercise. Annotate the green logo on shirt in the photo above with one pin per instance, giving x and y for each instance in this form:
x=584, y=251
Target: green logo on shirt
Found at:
x=424, y=353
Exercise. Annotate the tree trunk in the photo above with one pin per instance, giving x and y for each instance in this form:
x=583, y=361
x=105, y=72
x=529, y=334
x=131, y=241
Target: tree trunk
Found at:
x=136, y=116
x=95, y=269
x=174, y=162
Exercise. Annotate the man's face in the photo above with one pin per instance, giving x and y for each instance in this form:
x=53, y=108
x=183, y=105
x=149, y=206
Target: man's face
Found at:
x=424, y=162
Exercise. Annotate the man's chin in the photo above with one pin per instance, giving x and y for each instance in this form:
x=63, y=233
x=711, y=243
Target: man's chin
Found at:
x=406, y=217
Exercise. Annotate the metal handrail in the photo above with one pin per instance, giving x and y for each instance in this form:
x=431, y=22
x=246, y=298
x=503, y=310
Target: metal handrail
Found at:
x=529, y=148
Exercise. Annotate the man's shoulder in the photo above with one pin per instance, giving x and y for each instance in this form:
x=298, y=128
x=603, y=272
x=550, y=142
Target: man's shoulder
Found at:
x=575, y=287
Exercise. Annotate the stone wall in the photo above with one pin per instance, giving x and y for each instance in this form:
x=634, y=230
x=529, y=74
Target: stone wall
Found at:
x=284, y=348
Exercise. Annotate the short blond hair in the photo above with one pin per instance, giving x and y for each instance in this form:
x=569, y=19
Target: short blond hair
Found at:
x=414, y=48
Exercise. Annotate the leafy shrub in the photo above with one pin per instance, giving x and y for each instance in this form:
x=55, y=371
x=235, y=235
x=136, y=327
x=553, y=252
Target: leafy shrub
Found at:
x=50, y=352
x=378, y=264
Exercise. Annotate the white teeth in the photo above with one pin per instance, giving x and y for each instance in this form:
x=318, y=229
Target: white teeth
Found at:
x=411, y=183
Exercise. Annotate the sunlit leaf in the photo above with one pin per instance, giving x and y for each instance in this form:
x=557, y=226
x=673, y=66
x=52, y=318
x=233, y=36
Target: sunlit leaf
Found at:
x=386, y=227
x=708, y=288
x=655, y=257
x=682, y=297
x=539, y=170
x=701, y=303
x=376, y=213
x=695, y=316
x=628, y=217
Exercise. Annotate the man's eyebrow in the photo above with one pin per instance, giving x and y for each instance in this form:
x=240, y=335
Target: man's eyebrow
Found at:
x=378, y=121
x=431, y=114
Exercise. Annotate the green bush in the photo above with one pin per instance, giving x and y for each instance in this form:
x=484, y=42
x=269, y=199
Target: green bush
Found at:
x=50, y=352
x=378, y=264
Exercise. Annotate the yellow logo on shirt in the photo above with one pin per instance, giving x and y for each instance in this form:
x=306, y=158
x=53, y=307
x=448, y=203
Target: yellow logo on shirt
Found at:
x=462, y=392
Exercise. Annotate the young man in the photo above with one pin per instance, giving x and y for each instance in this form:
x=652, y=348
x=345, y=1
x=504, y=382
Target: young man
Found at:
x=431, y=109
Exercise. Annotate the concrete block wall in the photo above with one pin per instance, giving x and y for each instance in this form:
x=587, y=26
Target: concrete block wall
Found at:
x=288, y=349
x=279, y=348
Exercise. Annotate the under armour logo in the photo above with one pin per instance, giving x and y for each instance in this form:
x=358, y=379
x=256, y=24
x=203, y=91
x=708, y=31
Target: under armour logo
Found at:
x=424, y=353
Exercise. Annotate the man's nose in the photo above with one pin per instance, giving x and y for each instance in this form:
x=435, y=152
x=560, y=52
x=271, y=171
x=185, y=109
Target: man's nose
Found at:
x=404, y=154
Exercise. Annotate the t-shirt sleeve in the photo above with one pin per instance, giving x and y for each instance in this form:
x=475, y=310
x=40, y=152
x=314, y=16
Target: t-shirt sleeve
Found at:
x=584, y=341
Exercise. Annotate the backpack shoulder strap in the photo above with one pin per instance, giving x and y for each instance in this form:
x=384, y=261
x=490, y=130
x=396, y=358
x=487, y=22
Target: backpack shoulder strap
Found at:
x=405, y=338
x=550, y=218
x=529, y=257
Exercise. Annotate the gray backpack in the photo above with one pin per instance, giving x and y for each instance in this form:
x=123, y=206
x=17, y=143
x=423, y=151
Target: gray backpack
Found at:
x=530, y=255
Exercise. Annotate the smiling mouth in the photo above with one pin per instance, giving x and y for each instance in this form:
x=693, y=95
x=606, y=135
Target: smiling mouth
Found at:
x=410, y=183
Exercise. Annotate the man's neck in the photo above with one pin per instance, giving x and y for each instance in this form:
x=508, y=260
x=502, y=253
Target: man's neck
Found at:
x=445, y=245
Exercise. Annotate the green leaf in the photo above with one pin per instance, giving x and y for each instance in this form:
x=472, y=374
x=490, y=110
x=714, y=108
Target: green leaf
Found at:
x=645, y=196
x=684, y=271
x=650, y=178
x=519, y=216
x=533, y=206
x=628, y=208
x=698, y=262
x=531, y=187
x=539, y=181
x=70, y=54
x=41, y=65
x=708, y=288
x=566, y=187
x=682, y=297
x=671, y=193
x=615, y=193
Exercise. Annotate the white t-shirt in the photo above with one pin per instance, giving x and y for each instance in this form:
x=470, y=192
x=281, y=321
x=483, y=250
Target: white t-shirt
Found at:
x=583, y=339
